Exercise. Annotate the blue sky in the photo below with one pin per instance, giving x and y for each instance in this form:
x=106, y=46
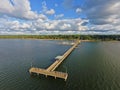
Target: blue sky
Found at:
x=59, y=17
x=57, y=5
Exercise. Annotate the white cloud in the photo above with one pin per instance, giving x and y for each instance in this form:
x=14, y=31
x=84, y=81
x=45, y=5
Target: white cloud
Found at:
x=46, y=10
x=44, y=7
x=50, y=12
x=61, y=25
x=103, y=18
x=65, y=26
x=18, y=8
x=41, y=26
x=102, y=14
x=78, y=10
x=59, y=16
x=42, y=17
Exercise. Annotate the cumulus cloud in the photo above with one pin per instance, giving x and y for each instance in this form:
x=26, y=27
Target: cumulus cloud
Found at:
x=102, y=17
x=50, y=12
x=65, y=24
x=102, y=11
x=46, y=10
x=44, y=6
x=42, y=26
x=98, y=12
x=59, y=16
x=42, y=17
x=13, y=25
x=17, y=8
x=78, y=10
x=102, y=14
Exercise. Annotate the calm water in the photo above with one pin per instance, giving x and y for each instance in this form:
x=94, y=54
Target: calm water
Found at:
x=91, y=66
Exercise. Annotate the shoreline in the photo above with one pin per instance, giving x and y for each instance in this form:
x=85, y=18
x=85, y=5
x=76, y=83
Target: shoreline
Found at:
x=63, y=39
x=84, y=38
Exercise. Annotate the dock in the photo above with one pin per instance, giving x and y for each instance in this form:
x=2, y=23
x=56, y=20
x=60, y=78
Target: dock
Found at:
x=50, y=71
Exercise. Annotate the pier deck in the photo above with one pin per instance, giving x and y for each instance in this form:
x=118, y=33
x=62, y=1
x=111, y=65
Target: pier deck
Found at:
x=50, y=70
x=48, y=73
x=59, y=61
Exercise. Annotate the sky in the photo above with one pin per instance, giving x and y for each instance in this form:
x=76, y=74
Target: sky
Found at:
x=46, y=17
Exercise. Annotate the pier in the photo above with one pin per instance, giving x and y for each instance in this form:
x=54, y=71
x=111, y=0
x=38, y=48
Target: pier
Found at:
x=50, y=71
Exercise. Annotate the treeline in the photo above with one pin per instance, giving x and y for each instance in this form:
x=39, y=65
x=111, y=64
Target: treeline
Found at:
x=82, y=37
x=100, y=37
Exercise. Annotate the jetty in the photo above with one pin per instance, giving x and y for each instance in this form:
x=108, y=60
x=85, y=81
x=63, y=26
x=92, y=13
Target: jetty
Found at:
x=50, y=71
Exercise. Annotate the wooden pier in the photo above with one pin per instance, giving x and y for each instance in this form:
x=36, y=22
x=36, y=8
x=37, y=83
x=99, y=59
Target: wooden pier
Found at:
x=50, y=70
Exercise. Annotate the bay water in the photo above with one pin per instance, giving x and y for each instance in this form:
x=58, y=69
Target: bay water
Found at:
x=91, y=66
